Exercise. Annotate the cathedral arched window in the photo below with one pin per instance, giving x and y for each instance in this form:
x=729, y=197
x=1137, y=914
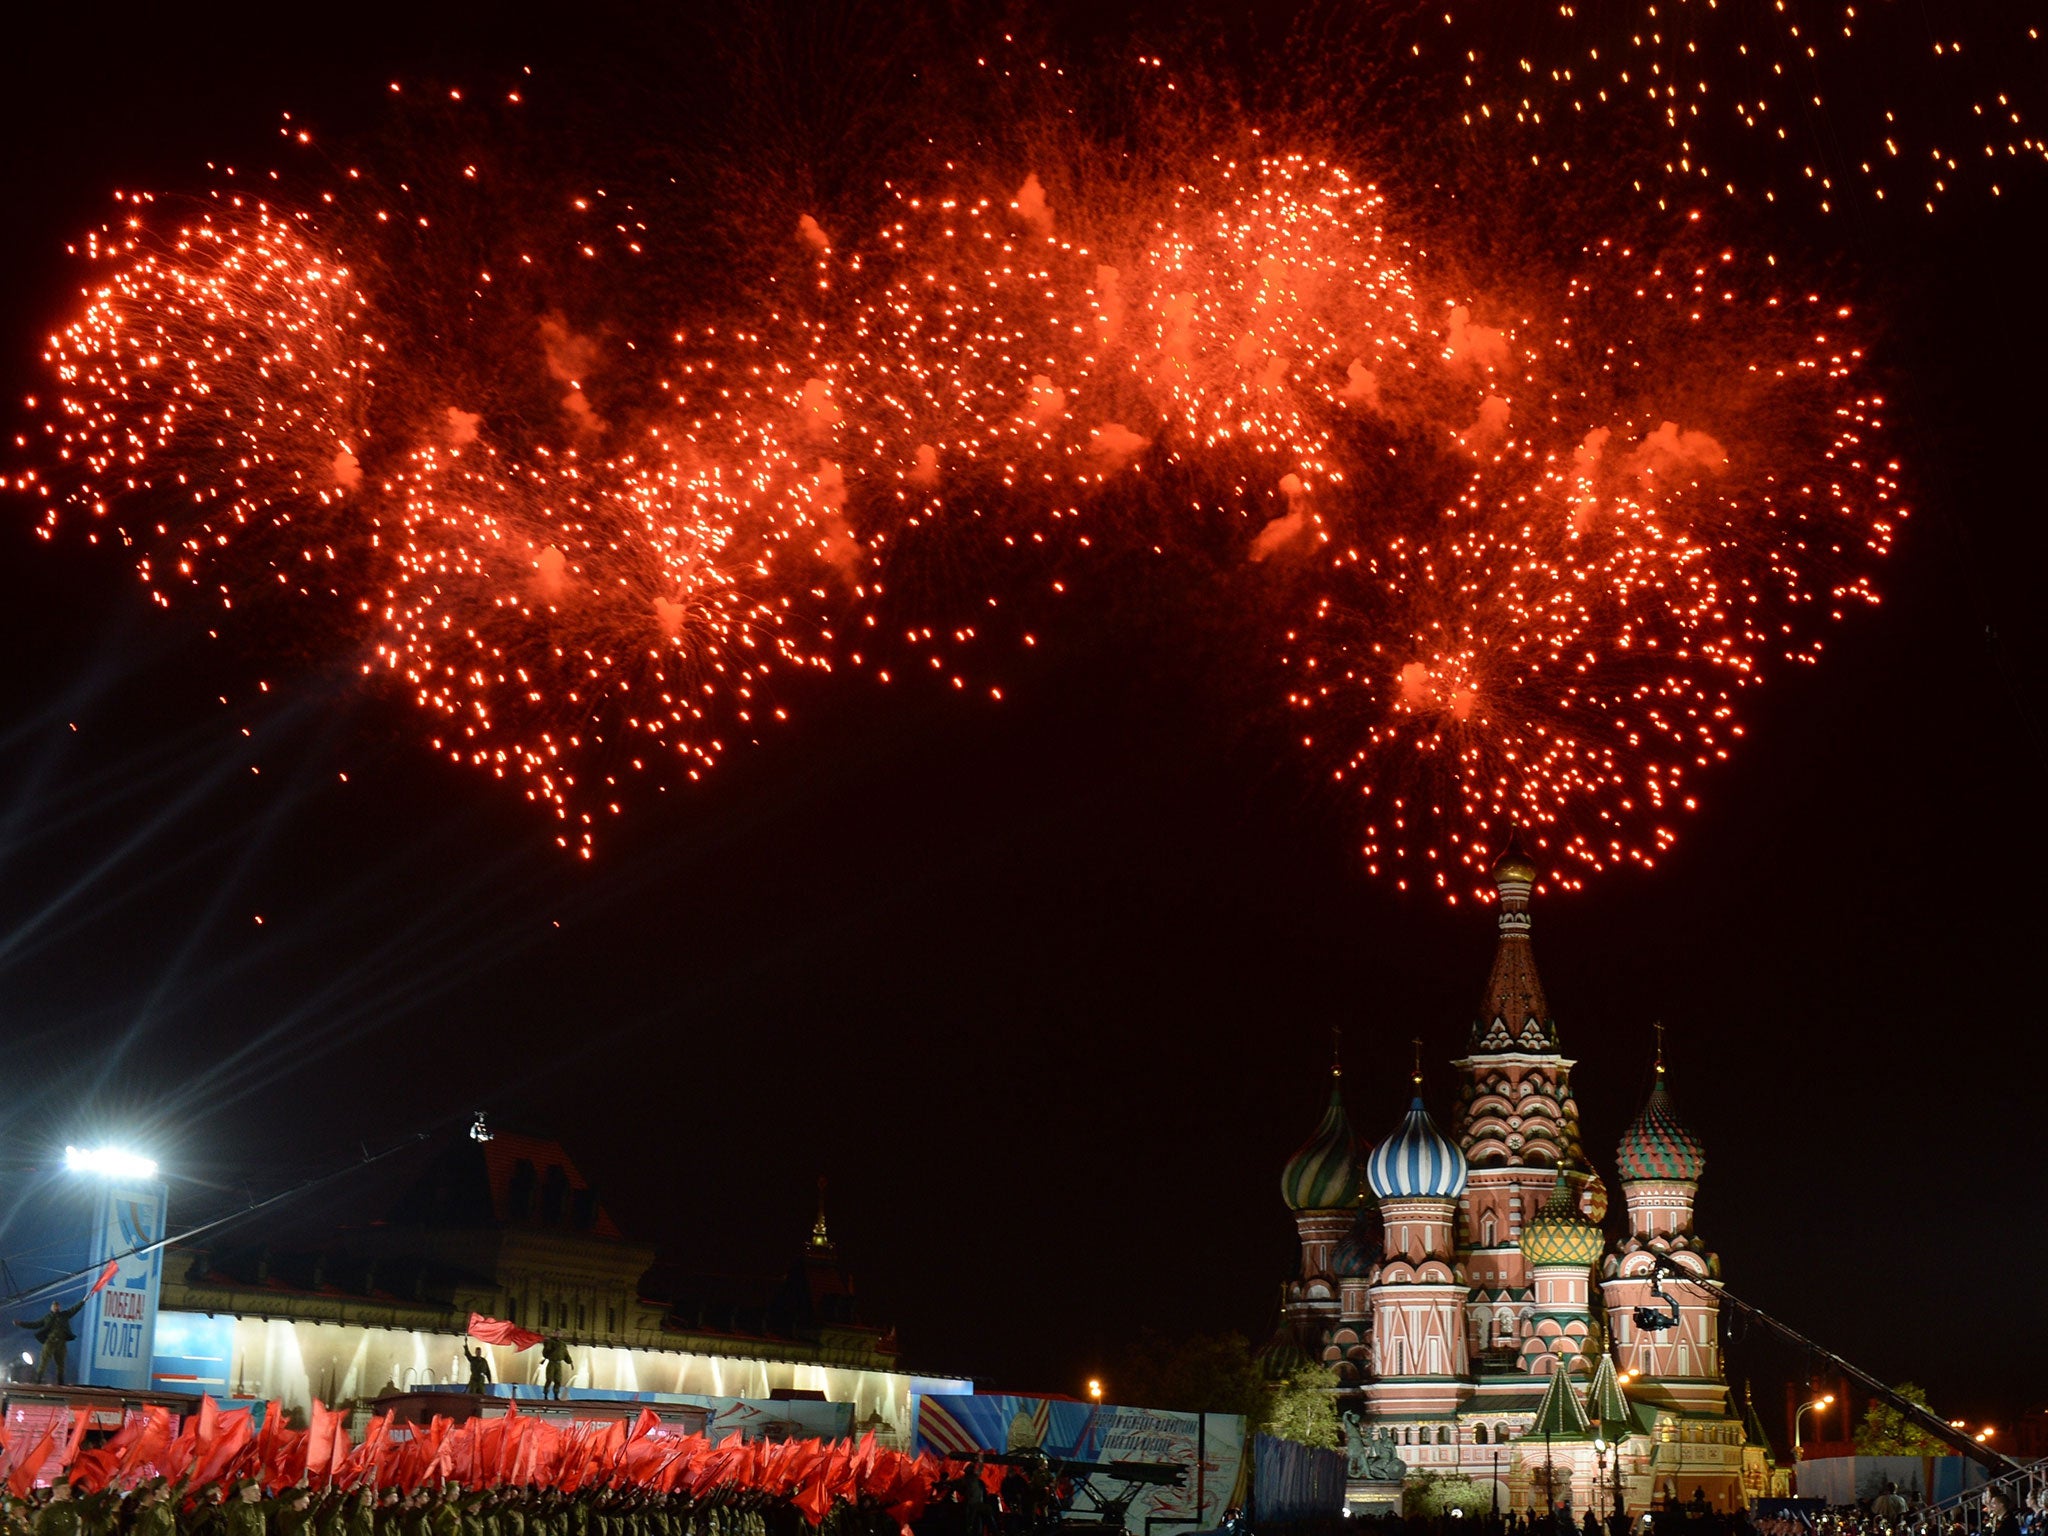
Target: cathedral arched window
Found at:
x=1443, y=1434
x=1500, y=1434
x=1479, y=1434
x=1487, y=1232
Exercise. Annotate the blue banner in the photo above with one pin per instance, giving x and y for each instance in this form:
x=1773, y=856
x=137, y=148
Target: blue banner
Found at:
x=1208, y=1446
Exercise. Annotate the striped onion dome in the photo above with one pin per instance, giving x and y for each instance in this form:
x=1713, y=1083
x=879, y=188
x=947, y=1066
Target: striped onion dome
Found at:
x=1360, y=1249
x=1657, y=1145
x=1323, y=1175
x=1558, y=1234
x=1417, y=1161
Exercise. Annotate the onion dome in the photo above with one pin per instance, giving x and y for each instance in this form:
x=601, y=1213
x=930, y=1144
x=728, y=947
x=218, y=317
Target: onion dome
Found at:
x=1360, y=1249
x=1514, y=866
x=1323, y=1175
x=1657, y=1145
x=1417, y=1162
x=1281, y=1358
x=1558, y=1234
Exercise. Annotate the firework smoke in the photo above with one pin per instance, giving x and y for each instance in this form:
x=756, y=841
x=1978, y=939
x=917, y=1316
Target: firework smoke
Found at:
x=1519, y=496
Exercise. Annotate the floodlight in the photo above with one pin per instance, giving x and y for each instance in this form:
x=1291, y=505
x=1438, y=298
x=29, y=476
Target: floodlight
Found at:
x=110, y=1162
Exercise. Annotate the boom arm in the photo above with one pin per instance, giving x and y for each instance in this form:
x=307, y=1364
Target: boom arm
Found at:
x=1995, y=1462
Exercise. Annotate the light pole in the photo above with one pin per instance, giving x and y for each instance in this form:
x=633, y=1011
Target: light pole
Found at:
x=1823, y=1401
x=1599, y=1470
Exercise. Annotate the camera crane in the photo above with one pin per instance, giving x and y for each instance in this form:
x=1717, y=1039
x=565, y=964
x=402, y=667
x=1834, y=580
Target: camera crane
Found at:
x=1657, y=1319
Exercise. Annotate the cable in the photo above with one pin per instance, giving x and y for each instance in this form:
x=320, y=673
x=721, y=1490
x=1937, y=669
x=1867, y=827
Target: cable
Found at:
x=37, y=1292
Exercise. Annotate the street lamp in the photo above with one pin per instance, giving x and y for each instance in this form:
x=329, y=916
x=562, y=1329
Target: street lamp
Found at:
x=1823, y=1401
x=1599, y=1471
x=1094, y=1391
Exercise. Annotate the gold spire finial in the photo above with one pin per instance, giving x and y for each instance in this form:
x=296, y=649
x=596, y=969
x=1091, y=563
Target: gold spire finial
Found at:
x=1659, y=1028
x=1417, y=1043
x=1336, y=1051
x=819, y=1237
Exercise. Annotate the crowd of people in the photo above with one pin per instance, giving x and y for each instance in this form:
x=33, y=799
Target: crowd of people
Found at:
x=156, y=1507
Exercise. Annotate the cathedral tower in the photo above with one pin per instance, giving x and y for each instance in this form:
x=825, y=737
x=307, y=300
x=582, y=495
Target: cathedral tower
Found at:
x=1560, y=1247
x=1660, y=1164
x=1320, y=1186
x=1418, y=1289
x=1516, y=1121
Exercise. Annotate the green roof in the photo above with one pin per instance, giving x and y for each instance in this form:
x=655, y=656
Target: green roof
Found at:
x=1560, y=1416
x=1323, y=1175
x=1612, y=1414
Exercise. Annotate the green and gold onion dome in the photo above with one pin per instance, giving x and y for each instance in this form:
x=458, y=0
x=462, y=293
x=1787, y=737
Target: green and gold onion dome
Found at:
x=1657, y=1145
x=1558, y=1234
x=1323, y=1175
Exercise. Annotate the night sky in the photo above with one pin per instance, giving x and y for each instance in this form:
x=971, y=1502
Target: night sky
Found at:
x=1044, y=988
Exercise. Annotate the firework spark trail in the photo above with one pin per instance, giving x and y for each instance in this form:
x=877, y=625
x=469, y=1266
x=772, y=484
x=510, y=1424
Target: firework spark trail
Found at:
x=1538, y=549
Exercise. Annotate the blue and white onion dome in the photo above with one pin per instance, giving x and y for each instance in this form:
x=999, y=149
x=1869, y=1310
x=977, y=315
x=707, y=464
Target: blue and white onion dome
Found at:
x=1417, y=1162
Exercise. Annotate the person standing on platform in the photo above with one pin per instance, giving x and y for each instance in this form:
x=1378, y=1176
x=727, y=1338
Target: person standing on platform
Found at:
x=53, y=1338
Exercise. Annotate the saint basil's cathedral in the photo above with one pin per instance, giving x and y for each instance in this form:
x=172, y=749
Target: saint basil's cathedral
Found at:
x=1478, y=1317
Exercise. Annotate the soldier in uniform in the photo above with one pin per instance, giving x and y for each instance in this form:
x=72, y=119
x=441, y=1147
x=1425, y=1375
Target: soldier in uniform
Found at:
x=59, y=1517
x=245, y=1516
x=153, y=1515
x=559, y=1366
x=53, y=1337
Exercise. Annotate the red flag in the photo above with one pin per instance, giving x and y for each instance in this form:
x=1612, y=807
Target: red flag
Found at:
x=148, y=1447
x=319, y=1440
x=231, y=1437
x=814, y=1501
x=23, y=1477
x=81, y=1421
x=207, y=1425
x=495, y=1330
x=113, y=1268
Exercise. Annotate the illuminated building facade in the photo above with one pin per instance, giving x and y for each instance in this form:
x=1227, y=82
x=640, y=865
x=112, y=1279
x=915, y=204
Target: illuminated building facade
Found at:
x=508, y=1227
x=1466, y=1291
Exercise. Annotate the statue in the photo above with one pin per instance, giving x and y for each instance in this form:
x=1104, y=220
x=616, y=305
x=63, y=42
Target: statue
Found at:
x=53, y=1337
x=559, y=1366
x=479, y=1370
x=1369, y=1454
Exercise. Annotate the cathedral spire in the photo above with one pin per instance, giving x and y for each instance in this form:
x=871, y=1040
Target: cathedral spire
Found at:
x=820, y=1238
x=1515, y=1016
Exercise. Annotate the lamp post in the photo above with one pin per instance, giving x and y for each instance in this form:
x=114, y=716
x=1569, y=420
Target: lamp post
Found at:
x=1599, y=1471
x=1496, y=1480
x=1823, y=1401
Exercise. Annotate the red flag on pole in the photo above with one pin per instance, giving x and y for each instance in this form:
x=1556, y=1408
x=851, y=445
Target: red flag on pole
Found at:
x=495, y=1330
x=113, y=1268
x=23, y=1476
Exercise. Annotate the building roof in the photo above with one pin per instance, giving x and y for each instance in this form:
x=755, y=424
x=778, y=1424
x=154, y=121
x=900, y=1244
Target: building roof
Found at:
x=1514, y=1017
x=1612, y=1415
x=1323, y=1174
x=1418, y=1160
x=1560, y=1416
x=1558, y=1234
x=1657, y=1145
x=532, y=1178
